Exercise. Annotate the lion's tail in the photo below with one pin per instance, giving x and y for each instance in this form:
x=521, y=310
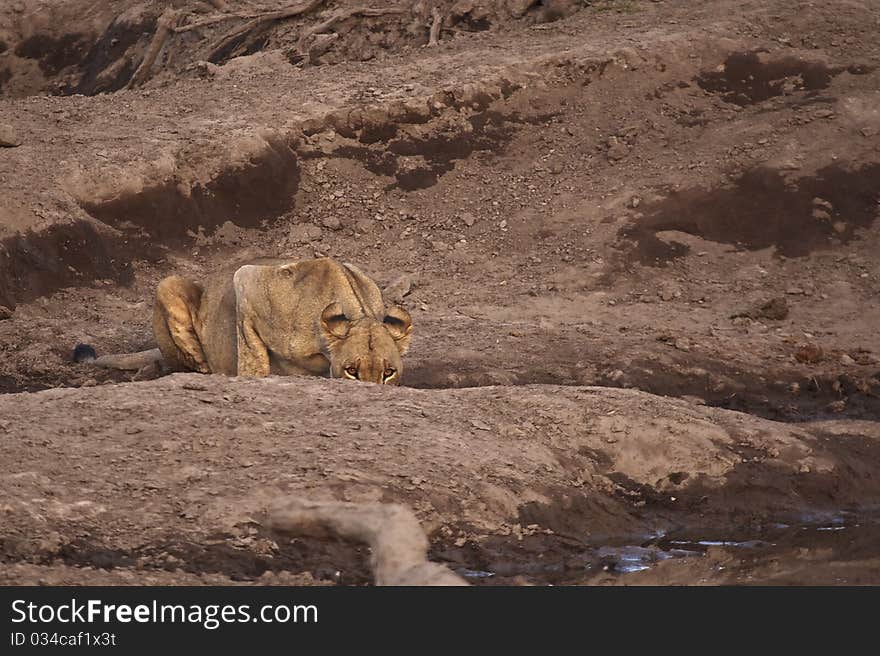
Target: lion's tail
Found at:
x=126, y=361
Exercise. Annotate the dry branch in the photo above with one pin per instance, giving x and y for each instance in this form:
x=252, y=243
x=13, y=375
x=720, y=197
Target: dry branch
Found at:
x=259, y=21
x=398, y=544
x=164, y=26
x=211, y=20
x=303, y=45
x=436, y=26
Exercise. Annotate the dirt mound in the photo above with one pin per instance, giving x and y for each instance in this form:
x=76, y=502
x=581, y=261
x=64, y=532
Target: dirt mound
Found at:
x=562, y=464
x=76, y=47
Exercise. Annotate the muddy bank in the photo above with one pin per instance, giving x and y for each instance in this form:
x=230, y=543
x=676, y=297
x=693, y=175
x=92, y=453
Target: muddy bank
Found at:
x=114, y=479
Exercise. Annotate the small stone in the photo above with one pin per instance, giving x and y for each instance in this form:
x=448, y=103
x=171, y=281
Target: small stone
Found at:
x=617, y=150
x=809, y=353
x=331, y=222
x=304, y=232
x=398, y=289
x=5, y=313
x=468, y=219
x=776, y=309
x=635, y=201
x=616, y=376
x=846, y=360
x=682, y=344
x=8, y=136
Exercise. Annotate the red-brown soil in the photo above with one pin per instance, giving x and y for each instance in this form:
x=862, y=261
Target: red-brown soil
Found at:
x=642, y=240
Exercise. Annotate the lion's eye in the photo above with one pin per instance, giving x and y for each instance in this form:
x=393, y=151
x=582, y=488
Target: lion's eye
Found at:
x=389, y=372
x=352, y=371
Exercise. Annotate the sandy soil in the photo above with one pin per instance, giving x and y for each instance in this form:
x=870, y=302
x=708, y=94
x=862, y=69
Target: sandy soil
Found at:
x=641, y=238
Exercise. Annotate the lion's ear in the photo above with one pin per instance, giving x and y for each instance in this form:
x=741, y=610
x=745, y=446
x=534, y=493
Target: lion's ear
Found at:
x=399, y=325
x=334, y=321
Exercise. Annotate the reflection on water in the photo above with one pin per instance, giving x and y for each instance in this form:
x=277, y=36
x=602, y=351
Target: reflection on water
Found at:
x=819, y=548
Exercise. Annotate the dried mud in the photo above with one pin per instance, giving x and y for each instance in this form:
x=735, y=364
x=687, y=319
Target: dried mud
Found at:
x=641, y=243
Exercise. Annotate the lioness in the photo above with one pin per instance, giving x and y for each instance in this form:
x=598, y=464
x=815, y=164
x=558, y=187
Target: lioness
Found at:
x=315, y=317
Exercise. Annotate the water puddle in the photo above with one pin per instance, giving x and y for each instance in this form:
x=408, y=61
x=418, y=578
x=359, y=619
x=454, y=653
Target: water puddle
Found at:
x=814, y=549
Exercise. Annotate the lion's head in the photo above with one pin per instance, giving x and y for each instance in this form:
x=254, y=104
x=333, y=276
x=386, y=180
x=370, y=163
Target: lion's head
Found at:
x=367, y=349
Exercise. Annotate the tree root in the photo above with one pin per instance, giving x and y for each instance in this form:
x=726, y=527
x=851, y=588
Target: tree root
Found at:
x=304, y=43
x=436, y=26
x=398, y=544
x=164, y=26
x=259, y=23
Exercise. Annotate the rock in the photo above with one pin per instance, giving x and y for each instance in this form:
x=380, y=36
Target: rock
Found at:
x=304, y=232
x=617, y=149
x=5, y=313
x=468, y=219
x=439, y=245
x=331, y=222
x=682, y=344
x=616, y=376
x=846, y=360
x=635, y=201
x=776, y=309
x=809, y=353
x=398, y=289
x=518, y=8
x=8, y=136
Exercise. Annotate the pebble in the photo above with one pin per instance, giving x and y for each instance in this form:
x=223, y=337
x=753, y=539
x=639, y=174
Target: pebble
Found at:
x=398, y=289
x=617, y=150
x=331, y=222
x=8, y=136
x=468, y=219
x=846, y=360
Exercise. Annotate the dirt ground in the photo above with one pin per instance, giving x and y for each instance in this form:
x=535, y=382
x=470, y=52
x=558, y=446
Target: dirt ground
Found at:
x=641, y=239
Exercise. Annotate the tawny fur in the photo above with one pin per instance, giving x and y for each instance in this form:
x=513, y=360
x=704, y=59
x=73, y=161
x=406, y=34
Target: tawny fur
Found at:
x=314, y=317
